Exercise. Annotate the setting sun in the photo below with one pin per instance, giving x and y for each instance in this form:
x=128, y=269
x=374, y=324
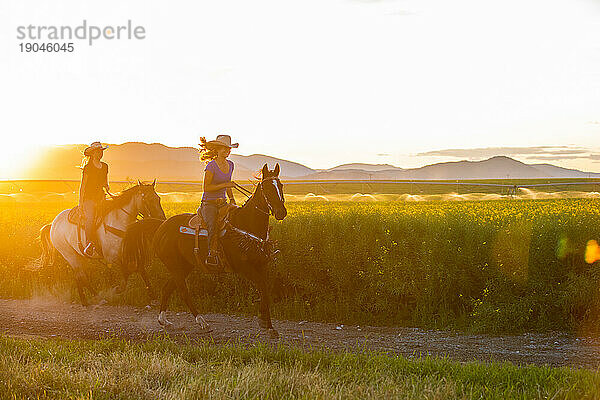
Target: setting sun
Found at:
x=15, y=159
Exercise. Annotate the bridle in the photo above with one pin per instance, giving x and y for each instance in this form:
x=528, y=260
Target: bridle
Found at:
x=141, y=213
x=245, y=191
x=144, y=211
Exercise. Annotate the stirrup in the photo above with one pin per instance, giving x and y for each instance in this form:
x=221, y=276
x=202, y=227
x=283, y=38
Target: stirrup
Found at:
x=212, y=260
x=89, y=250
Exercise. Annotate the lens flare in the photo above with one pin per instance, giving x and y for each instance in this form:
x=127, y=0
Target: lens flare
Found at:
x=562, y=248
x=592, y=252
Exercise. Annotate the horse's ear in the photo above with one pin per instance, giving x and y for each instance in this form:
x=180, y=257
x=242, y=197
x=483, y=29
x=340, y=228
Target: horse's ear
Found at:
x=154, y=183
x=139, y=183
x=276, y=171
x=265, y=171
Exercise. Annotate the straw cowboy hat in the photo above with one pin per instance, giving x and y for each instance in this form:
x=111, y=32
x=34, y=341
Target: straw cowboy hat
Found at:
x=224, y=140
x=94, y=146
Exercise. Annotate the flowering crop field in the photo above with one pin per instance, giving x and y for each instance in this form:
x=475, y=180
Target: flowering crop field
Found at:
x=483, y=266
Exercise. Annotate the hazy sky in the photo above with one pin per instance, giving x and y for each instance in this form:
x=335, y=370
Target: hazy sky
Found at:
x=321, y=82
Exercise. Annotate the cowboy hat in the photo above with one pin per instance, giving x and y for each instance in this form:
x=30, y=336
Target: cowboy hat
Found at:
x=94, y=146
x=223, y=140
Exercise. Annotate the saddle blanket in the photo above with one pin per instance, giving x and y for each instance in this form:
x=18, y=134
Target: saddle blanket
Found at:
x=189, y=231
x=203, y=232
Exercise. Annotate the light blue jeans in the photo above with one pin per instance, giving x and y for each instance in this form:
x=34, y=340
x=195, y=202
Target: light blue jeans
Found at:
x=88, y=208
x=209, y=211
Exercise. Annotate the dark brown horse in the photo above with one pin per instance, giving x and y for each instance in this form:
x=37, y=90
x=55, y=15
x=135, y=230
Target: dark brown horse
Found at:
x=244, y=243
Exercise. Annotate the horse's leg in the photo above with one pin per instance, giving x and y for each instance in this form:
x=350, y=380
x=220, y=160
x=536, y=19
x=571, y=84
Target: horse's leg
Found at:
x=264, y=316
x=63, y=235
x=77, y=262
x=187, y=298
x=87, y=283
x=122, y=286
x=80, y=286
x=257, y=274
x=167, y=290
x=144, y=276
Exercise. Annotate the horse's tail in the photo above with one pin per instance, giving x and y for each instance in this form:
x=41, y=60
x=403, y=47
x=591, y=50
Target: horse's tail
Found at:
x=48, y=251
x=137, y=243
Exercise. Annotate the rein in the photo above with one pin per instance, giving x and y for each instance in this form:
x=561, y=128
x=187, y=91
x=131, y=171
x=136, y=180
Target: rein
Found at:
x=116, y=231
x=269, y=207
x=243, y=190
x=129, y=213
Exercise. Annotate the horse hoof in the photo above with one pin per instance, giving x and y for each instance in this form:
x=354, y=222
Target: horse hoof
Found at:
x=99, y=304
x=204, y=326
x=163, y=321
x=263, y=325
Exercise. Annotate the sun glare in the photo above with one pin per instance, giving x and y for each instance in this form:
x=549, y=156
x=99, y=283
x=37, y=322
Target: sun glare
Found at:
x=592, y=252
x=15, y=159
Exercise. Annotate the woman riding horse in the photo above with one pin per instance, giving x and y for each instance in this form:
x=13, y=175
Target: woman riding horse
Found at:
x=91, y=192
x=245, y=241
x=119, y=213
x=217, y=181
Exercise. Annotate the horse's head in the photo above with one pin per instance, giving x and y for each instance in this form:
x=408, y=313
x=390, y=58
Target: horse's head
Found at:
x=148, y=201
x=272, y=189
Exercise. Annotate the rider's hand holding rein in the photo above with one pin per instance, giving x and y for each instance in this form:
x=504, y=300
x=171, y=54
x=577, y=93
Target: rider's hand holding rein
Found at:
x=208, y=186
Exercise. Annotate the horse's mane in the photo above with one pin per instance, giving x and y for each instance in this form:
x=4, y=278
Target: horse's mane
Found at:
x=120, y=199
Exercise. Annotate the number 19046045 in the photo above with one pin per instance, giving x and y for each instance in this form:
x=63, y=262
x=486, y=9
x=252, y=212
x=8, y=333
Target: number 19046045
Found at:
x=46, y=47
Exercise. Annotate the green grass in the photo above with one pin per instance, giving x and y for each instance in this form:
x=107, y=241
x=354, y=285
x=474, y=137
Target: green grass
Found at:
x=162, y=369
x=488, y=266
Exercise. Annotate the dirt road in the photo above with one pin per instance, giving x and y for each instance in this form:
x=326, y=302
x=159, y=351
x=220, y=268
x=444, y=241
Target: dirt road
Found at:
x=46, y=318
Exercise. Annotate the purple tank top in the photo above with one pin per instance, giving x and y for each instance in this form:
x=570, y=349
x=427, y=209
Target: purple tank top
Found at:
x=218, y=177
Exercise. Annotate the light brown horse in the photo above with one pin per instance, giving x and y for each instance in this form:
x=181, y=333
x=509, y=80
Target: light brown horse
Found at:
x=121, y=211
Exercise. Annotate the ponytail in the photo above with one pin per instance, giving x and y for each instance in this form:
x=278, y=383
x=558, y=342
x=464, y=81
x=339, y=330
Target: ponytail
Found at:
x=206, y=150
x=84, y=161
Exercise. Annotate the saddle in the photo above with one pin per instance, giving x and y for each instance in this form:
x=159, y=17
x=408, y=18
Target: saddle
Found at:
x=76, y=217
x=197, y=226
x=196, y=221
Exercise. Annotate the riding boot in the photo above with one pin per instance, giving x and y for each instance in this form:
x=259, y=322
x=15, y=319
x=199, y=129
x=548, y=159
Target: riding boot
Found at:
x=212, y=258
x=209, y=214
x=88, y=208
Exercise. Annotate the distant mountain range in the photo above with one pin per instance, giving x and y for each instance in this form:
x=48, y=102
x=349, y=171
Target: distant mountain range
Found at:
x=131, y=161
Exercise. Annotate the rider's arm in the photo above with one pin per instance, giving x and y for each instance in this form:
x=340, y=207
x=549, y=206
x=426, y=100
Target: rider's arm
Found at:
x=106, y=186
x=229, y=189
x=230, y=195
x=209, y=187
x=83, y=184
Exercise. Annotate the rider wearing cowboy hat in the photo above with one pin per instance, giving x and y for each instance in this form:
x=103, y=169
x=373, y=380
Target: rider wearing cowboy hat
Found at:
x=91, y=194
x=217, y=182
